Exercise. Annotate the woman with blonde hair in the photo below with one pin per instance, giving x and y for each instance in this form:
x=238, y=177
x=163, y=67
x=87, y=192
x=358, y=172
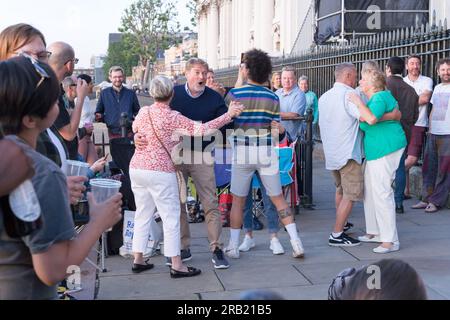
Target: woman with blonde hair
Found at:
x=275, y=83
x=384, y=144
x=153, y=175
x=367, y=66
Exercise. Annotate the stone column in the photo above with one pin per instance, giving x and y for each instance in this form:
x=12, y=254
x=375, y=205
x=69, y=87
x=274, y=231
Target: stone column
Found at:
x=234, y=30
x=264, y=15
x=213, y=34
x=202, y=43
x=222, y=26
x=245, y=8
x=226, y=48
x=286, y=25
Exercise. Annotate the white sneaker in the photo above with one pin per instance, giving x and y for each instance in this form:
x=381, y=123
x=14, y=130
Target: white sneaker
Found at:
x=232, y=252
x=247, y=244
x=395, y=247
x=366, y=239
x=276, y=247
x=297, y=246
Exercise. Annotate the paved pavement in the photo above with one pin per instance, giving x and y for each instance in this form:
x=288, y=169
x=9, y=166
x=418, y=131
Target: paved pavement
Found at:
x=425, y=242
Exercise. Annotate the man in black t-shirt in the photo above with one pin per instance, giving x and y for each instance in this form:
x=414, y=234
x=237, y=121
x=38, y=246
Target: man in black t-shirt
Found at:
x=63, y=62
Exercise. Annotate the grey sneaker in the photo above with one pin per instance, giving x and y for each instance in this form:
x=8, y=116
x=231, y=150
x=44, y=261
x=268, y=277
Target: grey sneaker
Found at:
x=219, y=260
x=185, y=256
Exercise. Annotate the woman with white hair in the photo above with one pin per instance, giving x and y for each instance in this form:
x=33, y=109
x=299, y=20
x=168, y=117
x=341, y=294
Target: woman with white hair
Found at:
x=312, y=103
x=153, y=175
x=384, y=144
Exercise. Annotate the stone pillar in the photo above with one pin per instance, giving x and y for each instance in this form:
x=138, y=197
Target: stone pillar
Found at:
x=213, y=34
x=202, y=31
x=222, y=26
x=234, y=31
x=288, y=20
x=264, y=15
x=227, y=37
x=245, y=8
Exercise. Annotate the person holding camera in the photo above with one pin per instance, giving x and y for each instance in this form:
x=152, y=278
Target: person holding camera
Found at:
x=114, y=101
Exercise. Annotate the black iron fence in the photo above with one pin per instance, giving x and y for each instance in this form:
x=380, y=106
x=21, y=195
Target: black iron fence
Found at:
x=430, y=42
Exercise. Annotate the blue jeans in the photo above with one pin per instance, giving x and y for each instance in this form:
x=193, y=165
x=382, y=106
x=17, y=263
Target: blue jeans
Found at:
x=400, y=181
x=270, y=212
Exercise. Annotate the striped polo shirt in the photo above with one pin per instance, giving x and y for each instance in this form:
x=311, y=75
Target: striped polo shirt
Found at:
x=262, y=106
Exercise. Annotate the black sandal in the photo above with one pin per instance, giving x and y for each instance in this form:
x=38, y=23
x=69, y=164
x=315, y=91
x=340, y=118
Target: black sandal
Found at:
x=192, y=272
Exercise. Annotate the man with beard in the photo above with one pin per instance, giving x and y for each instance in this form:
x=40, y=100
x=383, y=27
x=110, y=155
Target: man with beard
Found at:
x=115, y=101
x=436, y=164
x=424, y=89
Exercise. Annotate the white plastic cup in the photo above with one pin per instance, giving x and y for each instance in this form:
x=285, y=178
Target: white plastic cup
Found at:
x=77, y=169
x=104, y=189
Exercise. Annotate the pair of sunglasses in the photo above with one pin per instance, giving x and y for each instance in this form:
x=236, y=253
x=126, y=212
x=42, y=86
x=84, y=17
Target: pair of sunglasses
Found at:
x=41, y=71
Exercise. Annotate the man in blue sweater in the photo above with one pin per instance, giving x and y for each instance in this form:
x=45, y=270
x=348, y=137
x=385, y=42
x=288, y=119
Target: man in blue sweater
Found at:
x=114, y=102
x=197, y=102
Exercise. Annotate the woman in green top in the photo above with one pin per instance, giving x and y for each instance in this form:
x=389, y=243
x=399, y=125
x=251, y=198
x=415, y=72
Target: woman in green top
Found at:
x=384, y=143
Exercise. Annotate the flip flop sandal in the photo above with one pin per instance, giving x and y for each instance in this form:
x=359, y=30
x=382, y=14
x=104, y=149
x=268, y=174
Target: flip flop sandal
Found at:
x=431, y=208
x=420, y=205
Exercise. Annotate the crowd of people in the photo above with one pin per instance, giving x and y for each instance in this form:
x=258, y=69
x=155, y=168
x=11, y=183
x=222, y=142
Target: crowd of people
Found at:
x=371, y=136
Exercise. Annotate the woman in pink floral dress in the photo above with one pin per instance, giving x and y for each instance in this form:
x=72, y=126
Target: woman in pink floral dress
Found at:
x=153, y=175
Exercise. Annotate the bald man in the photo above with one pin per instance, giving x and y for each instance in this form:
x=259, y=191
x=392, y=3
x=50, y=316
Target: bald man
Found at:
x=63, y=63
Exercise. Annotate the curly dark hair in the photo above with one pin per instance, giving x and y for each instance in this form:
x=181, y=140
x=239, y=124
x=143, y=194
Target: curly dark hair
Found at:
x=259, y=65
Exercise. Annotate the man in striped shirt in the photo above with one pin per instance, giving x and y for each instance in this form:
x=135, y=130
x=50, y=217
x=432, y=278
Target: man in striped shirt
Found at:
x=253, y=148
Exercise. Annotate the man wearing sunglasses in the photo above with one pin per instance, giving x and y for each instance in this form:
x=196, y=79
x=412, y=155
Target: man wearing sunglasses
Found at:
x=63, y=63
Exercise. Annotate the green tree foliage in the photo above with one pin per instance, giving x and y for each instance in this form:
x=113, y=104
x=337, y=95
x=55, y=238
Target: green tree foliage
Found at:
x=150, y=26
x=120, y=54
x=192, y=7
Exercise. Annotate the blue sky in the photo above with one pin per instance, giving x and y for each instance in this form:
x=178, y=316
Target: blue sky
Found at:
x=85, y=24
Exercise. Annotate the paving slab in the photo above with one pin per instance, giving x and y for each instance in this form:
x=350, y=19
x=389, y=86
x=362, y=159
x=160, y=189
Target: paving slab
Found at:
x=425, y=240
x=156, y=286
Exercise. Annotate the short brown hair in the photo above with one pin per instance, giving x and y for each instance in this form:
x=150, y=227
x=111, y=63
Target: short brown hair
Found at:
x=196, y=61
x=115, y=69
x=413, y=56
x=289, y=69
x=442, y=62
x=15, y=37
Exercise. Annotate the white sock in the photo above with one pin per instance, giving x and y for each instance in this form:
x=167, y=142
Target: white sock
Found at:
x=292, y=230
x=337, y=235
x=234, y=237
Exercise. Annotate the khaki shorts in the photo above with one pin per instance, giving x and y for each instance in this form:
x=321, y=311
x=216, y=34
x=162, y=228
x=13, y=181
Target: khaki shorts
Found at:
x=350, y=181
